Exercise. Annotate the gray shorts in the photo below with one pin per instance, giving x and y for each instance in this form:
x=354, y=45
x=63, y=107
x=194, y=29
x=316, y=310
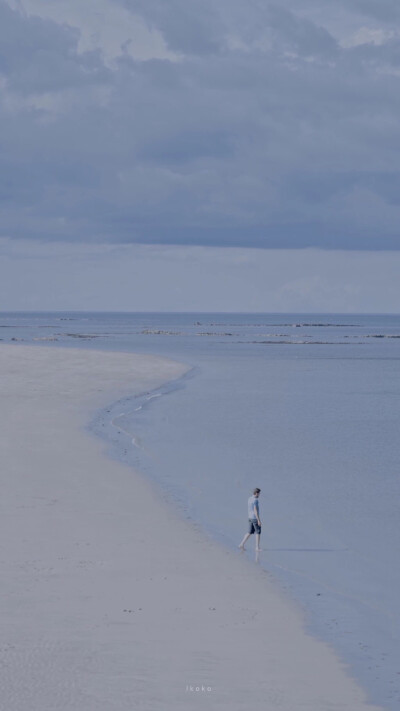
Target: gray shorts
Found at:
x=253, y=526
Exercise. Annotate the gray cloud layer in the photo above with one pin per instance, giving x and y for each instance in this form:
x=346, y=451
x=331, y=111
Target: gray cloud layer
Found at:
x=261, y=127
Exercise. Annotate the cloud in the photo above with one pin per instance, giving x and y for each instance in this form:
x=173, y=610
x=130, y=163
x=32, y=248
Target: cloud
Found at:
x=192, y=28
x=39, y=56
x=384, y=10
x=242, y=124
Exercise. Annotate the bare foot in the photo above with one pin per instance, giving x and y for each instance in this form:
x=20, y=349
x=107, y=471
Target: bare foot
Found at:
x=258, y=550
x=242, y=548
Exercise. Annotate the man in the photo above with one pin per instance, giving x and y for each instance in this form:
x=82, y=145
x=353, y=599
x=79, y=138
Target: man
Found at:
x=254, y=520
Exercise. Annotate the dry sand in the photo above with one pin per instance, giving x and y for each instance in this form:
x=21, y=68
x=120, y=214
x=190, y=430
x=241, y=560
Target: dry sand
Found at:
x=110, y=600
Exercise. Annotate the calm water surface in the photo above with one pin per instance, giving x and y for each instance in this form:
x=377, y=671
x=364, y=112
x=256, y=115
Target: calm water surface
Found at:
x=307, y=407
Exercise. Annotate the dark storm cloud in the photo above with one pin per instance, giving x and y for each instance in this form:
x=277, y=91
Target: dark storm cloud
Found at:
x=264, y=130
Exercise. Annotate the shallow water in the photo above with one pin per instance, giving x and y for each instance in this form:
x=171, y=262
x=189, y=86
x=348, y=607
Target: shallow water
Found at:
x=307, y=412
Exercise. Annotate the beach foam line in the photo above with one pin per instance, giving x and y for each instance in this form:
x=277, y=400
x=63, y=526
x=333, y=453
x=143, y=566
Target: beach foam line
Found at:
x=137, y=608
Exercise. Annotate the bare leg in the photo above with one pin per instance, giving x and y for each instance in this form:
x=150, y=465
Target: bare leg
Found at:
x=247, y=536
x=258, y=541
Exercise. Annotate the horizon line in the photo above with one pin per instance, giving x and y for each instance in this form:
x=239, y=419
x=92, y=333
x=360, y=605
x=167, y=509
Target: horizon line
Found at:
x=264, y=313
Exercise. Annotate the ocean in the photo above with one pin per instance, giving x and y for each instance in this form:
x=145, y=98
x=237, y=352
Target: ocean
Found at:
x=304, y=406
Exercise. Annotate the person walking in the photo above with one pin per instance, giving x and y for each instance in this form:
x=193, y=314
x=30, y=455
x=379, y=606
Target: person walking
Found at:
x=254, y=520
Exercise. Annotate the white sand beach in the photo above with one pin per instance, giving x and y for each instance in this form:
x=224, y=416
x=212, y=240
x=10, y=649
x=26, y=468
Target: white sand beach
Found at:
x=111, y=600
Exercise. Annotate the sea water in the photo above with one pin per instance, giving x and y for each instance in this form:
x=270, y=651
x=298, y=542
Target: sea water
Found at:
x=307, y=408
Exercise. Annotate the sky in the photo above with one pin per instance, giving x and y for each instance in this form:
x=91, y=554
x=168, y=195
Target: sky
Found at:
x=211, y=154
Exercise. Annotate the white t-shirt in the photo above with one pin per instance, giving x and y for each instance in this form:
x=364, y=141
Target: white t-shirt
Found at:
x=253, y=502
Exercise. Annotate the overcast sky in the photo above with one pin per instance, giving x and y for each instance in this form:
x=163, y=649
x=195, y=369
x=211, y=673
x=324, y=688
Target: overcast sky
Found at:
x=177, y=133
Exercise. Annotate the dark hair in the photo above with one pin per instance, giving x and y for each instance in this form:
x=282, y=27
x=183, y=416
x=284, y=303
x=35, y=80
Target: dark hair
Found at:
x=256, y=491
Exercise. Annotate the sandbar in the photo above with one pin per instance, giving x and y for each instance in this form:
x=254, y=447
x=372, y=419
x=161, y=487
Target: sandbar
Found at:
x=111, y=599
